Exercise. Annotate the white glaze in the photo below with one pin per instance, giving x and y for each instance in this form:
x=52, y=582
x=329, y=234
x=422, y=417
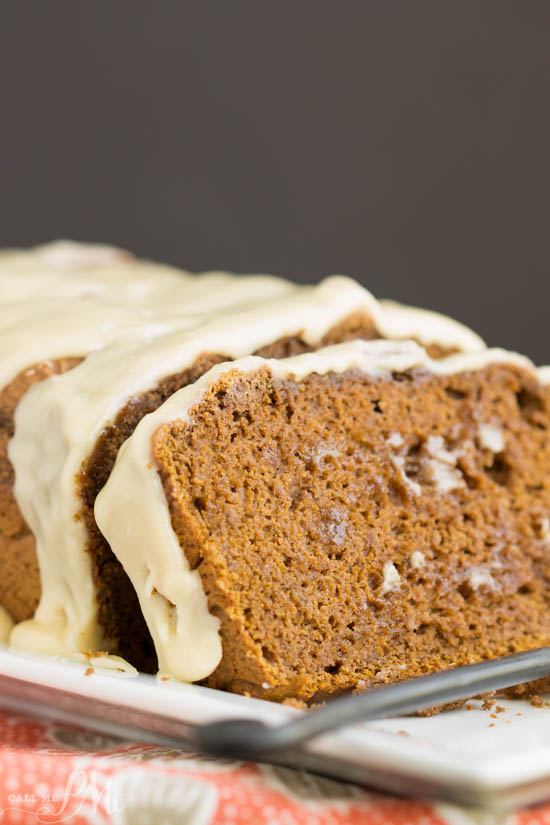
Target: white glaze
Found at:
x=131, y=509
x=402, y=322
x=48, y=312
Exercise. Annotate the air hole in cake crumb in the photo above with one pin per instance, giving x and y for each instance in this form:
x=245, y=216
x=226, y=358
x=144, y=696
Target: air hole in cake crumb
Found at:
x=335, y=668
x=376, y=405
x=375, y=580
x=221, y=396
x=528, y=401
x=466, y=591
x=499, y=472
x=457, y=395
x=199, y=503
x=289, y=412
x=267, y=655
x=526, y=590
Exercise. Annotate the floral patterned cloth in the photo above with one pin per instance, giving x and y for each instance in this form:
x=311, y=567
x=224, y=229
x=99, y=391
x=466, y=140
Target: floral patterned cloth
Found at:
x=51, y=773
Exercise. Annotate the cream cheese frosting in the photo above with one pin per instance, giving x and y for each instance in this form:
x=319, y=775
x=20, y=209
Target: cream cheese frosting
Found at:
x=132, y=513
x=67, y=299
x=59, y=420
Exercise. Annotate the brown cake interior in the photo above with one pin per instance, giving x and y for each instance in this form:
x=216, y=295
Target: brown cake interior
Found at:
x=119, y=612
x=304, y=507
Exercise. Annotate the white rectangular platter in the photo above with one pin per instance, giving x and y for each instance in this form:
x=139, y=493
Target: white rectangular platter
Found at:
x=472, y=757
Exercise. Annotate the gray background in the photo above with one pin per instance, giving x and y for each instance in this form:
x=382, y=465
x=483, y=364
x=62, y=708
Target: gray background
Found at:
x=404, y=143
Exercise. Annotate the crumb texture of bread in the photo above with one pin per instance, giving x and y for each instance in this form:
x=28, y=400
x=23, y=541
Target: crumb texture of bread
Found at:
x=351, y=530
x=119, y=613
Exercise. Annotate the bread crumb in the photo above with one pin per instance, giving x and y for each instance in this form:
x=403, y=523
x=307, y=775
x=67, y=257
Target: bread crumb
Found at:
x=491, y=724
x=297, y=703
x=403, y=733
x=488, y=704
x=500, y=709
x=536, y=701
x=88, y=671
x=94, y=654
x=469, y=706
x=493, y=716
x=164, y=678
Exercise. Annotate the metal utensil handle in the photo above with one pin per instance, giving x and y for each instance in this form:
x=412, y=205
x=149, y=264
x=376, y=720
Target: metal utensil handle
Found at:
x=250, y=738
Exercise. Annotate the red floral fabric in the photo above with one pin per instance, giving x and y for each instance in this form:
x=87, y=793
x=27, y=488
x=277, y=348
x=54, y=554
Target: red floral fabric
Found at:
x=52, y=774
